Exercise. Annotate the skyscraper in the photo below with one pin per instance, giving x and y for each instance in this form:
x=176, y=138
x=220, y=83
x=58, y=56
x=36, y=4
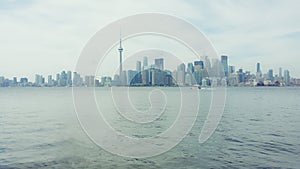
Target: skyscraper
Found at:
x=50, y=81
x=138, y=66
x=224, y=61
x=57, y=79
x=69, y=78
x=280, y=73
x=241, y=76
x=15, y=81
x=190, y=68
x=145, y=77
x=231, y=69
x=160, y=63
x=181, y=74
x=145, y=63
x=38, y=80
x=258, y=70
x=287, y=78
x=120, y=51
x=63, y=79
x=131, y=74
x=198, y=65
x=270, y=75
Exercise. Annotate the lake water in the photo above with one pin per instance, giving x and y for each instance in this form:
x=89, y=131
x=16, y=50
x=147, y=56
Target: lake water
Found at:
x=260, y=128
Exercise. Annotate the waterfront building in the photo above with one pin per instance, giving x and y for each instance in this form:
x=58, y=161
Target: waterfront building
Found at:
x=138, y=66
x=224, y=62
x=287, y=78
x=145, y=77
x=181, y=74
x=145, y=63
x=190, y=68
x=198, y=65
x=160, y=63
x=270, y=75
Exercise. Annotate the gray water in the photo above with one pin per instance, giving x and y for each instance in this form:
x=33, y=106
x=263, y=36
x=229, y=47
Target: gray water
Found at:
x=260, y=128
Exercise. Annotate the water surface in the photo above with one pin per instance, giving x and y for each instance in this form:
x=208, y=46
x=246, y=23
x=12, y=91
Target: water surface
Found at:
x=260, y=128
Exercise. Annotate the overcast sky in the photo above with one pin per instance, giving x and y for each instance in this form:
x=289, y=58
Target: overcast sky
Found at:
x=46, y=37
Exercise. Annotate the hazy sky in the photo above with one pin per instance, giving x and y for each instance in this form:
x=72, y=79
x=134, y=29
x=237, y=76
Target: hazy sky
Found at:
x=46, y=37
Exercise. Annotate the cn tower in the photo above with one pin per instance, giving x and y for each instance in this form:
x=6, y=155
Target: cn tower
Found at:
x=120, y=50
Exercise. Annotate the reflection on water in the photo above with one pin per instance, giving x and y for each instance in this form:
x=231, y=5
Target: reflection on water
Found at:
x=259, y=128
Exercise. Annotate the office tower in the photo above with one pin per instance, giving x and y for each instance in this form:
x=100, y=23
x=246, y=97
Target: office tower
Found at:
x=39, y=80
x=120, y=51
x=106, y=81
x=231, y=69
x=258, y=70
x=23, y=80
x=15, y=82
x=241, y=76
x=157, y=77
x=131, y=74
x=97, y=83
x=160, y=63
x=224, y=62
x=198, y=65
x=207, y=63
x=280, y=73
x=145, y=77
x=188, y=79
x=270, y=75
x=90, y=81
x=204, y=83
x=43, y=80
x=168, y=80
x=247, y=76
x=174, y=77
x=69, y=78
x=197, y=76
x=123, y=78
x=138, y=66
x=63, y=79
x=87, y=80
x=181, y=74
x=145, y=63
x=75, y=82
x=50, y=81
x=190, y=68
x=287, y=78
x=57, y=78
x=2, y=79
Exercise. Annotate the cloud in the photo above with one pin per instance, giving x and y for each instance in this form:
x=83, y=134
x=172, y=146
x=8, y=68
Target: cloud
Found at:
x=47, y=36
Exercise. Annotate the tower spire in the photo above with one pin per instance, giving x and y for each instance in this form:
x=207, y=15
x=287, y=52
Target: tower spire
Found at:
x=120, y=51
x=120, y=39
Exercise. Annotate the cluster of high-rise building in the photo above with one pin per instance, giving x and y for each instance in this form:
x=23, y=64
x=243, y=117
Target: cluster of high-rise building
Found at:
x=156, y=75
x=63, y=79
x=246, y=78
x=193, y=73
x=199, y=72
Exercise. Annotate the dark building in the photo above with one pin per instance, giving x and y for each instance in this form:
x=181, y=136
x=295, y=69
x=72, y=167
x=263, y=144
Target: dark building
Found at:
x=258, y=70
x=198, y=65
x=224, y=62
x=241, y=76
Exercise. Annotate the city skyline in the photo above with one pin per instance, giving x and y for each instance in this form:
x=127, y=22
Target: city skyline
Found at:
x=184, y=71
